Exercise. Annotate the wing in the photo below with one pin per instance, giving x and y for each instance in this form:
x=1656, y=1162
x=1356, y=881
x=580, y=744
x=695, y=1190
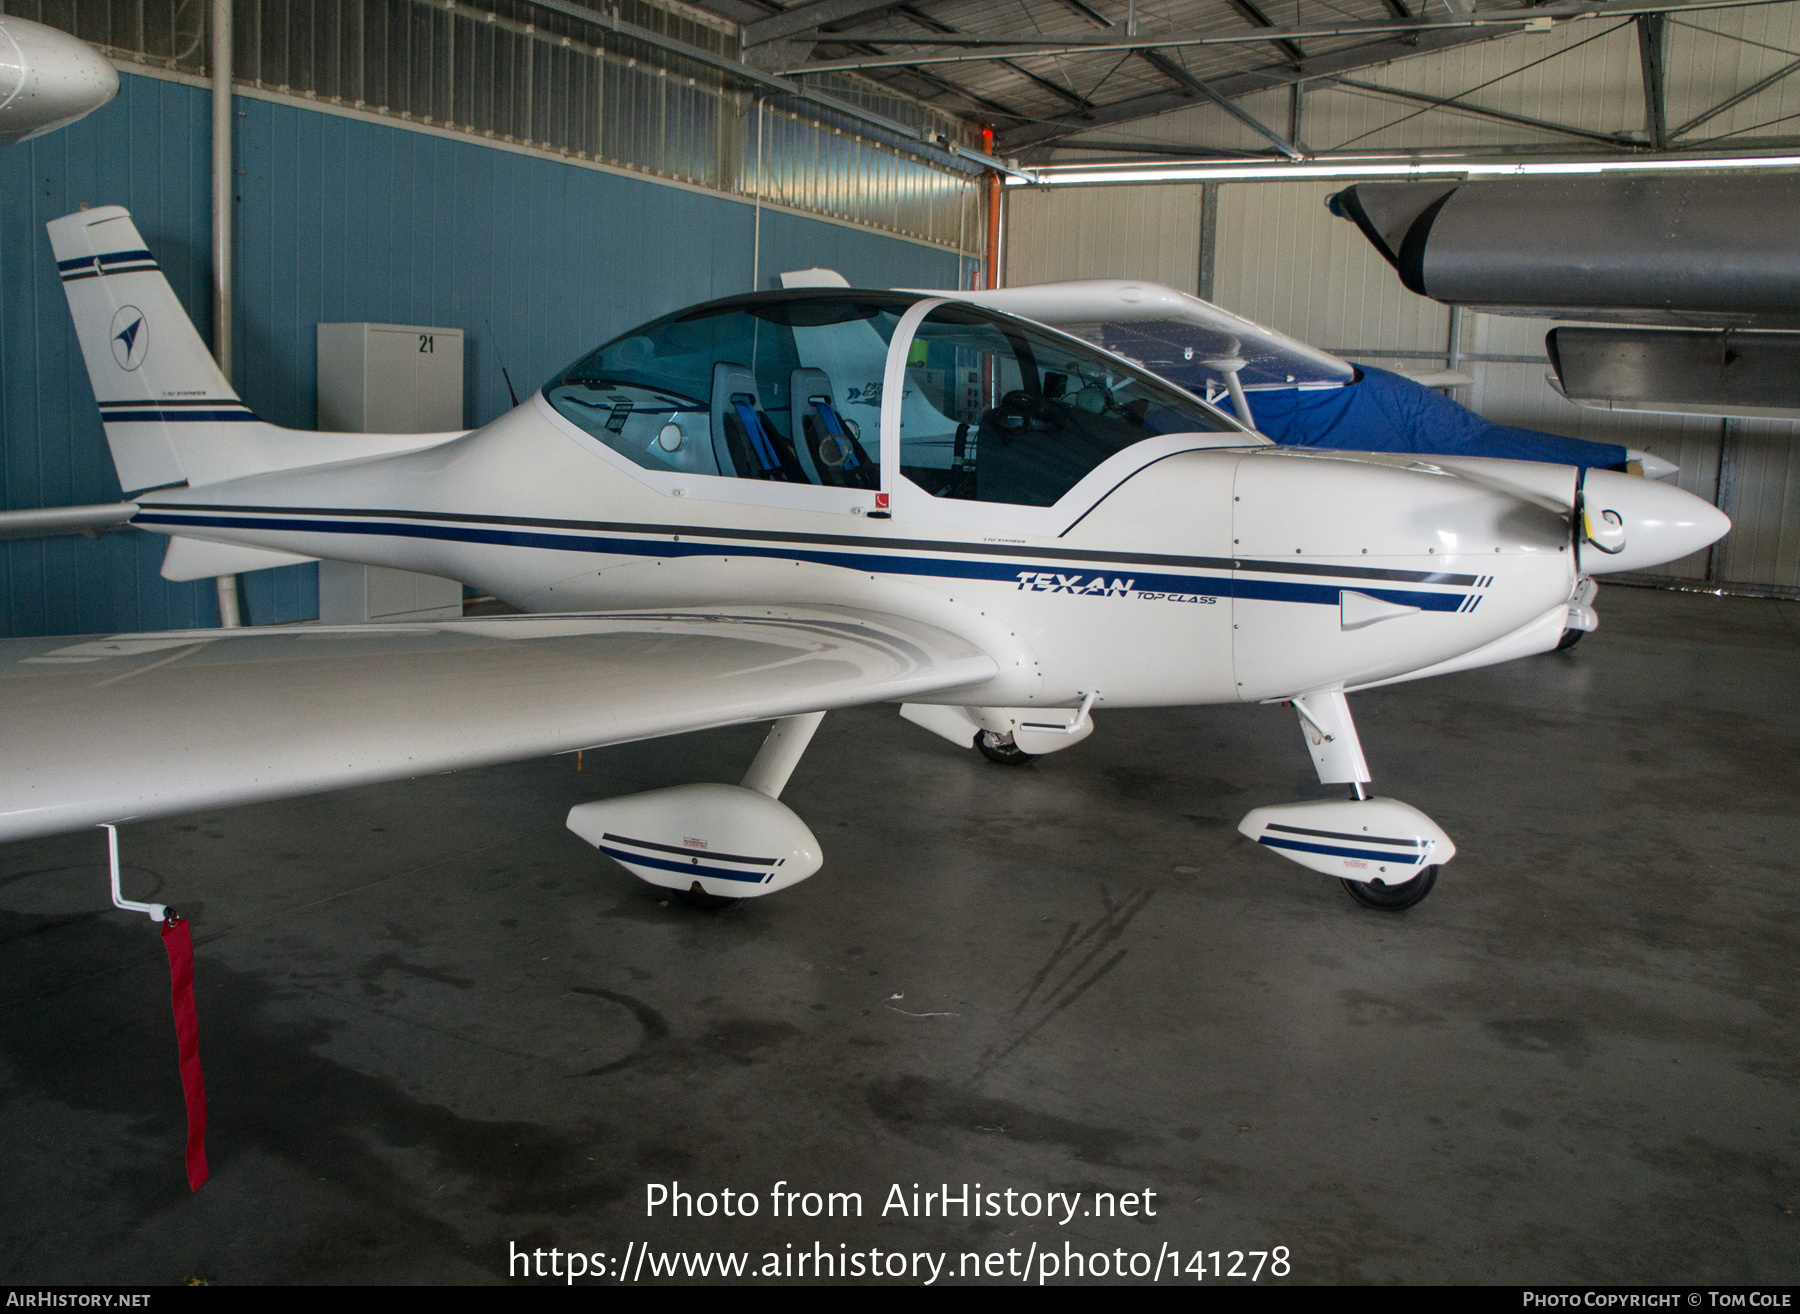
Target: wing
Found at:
x=1170, y=333
x=149, y=725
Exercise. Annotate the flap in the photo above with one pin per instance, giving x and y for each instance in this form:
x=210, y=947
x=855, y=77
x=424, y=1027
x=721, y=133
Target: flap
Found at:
x=153, y=725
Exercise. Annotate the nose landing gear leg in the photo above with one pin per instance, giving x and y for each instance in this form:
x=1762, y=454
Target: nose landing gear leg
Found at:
x=1386, y=852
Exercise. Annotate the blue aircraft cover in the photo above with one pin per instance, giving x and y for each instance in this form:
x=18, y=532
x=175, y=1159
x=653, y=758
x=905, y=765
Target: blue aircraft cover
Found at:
x=1387, y=412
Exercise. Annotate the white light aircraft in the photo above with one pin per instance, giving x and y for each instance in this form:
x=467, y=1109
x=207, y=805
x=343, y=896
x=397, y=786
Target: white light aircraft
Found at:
x=48, y=79
x=769, y=507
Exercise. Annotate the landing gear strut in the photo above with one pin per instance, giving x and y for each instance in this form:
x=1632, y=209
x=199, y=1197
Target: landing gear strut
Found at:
x=1004, y=751
x=711, y=846
x=1385, y=852
x=775, y=761
x=699, y=900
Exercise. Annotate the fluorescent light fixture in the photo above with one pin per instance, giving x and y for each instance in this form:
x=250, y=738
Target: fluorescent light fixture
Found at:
x=1054, y=175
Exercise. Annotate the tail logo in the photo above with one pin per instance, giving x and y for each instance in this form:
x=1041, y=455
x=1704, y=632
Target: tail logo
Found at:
x=130, y=337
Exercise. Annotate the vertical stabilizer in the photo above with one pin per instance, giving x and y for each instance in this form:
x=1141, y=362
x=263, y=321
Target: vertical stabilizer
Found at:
x=170, y=415
x=152, y=375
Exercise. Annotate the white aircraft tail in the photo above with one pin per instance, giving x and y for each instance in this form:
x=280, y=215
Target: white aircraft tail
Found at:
x=170, y=415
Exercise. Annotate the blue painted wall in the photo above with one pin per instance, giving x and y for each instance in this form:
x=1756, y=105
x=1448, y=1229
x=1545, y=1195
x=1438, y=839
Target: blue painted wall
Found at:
x=339, y=219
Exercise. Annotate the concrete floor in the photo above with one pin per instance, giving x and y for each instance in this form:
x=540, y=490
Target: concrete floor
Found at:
x=435, y=1023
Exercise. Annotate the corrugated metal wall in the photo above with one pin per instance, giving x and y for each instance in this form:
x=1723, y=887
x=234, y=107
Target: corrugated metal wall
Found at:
x=342, y=218
x=1060, y=233
x=1283, y=260
x=514, y=72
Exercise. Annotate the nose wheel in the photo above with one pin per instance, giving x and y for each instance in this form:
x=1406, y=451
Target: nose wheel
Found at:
x=1393, y=898
x=1004, y=751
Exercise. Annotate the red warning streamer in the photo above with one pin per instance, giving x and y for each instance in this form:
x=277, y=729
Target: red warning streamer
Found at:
x=180, y=944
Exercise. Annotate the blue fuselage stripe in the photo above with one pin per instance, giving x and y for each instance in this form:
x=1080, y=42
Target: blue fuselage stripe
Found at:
x=1372, y=855
x=1218, y=586
x=699, y=869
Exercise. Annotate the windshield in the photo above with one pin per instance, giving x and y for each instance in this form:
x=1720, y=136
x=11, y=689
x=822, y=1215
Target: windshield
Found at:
x=999, y=410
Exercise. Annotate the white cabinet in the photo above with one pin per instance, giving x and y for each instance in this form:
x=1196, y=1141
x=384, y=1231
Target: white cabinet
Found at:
x=388, y=378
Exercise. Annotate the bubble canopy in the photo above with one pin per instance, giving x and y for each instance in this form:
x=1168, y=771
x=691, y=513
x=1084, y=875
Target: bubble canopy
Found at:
x=788, y=386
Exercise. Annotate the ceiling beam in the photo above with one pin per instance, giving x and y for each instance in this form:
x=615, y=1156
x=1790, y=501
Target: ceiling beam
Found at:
x=1732, y=102
x=1173, y=149
x=1249, y=10
x=809, y=18
x=963, y=47
x=1056, y=89
x=1073, y=97
x=1181, y=77
x=1088, y=12
x=1652, y=47
x=1150, y=104
x=944, y=86
x=1463, y=106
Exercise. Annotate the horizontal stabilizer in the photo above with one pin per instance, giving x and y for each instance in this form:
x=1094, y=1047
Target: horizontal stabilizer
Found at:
x=193, y=558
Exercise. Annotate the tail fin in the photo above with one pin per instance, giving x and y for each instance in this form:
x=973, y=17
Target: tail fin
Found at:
x=170, y=415
x=152, y=375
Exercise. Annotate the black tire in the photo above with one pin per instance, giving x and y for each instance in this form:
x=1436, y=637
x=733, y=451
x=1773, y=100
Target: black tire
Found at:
x=1569, y=639
x=995, y=749
x=699, y=900
x=1394, y=898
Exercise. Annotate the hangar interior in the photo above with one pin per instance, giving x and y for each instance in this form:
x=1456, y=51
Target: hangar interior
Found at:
x=436, y=1026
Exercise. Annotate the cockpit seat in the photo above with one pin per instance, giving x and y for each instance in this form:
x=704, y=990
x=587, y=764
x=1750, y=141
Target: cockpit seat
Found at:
x=745, y=439
x=827, y=442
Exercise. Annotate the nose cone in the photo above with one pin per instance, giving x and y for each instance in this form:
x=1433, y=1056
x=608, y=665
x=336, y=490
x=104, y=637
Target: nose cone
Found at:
x=1634, y=524
x=47, y=79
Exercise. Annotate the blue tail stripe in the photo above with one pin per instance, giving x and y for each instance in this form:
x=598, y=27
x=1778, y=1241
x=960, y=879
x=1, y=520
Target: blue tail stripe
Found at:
x=176, y=417
x=110, y=258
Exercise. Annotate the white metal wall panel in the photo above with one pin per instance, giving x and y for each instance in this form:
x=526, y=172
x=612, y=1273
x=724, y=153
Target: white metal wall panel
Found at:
x=1284, y=261
x=1058, y=233
x=1715, y=54
x=1763, y=500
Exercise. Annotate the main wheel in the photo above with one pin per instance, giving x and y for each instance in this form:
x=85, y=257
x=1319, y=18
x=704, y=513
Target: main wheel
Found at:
x=1003, y=751
x=700, y=901
x=1393, y=898
x=1569, y=639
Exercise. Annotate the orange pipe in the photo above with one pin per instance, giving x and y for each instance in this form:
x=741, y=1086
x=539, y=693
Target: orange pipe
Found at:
x=993, y=241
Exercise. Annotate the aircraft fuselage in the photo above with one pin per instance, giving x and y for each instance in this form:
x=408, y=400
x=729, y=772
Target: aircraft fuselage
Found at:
x=1188, y=573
